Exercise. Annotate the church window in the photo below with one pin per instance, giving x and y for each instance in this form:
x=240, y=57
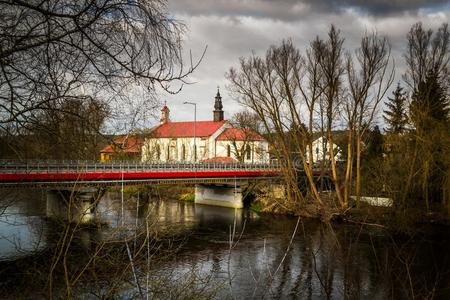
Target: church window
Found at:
x=248, y=151
x=158, y=152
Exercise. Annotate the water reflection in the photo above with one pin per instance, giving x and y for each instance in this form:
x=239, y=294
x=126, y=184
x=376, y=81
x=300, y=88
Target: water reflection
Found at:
x=21, y=225
x=214, y=252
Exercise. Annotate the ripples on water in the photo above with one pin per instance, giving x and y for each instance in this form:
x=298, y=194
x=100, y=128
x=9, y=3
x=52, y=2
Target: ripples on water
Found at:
x=191, y=256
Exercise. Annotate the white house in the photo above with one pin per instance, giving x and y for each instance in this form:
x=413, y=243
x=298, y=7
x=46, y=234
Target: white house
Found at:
x=199, y=141
x=321, y=150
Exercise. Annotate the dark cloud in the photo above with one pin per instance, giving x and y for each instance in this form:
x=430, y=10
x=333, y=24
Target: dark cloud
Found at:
x=388, y=7
x=237, y=28
x=292, y=9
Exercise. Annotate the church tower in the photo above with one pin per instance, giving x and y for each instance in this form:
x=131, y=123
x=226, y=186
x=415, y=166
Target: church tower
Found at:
x=164, y=115
x=218, y=112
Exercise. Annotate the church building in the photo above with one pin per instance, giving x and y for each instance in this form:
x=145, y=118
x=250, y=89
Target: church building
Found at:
x=203, y=141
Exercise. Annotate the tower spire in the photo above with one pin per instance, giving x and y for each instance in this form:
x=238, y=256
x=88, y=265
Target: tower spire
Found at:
x=218, y=112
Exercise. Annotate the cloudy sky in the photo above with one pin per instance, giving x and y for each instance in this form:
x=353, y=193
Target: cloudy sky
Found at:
x=234, y=28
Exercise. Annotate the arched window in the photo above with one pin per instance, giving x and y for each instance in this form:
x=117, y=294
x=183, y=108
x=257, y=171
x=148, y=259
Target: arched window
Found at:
x=195, y=153
x=183, y=152
x=168, y=153
x=248, y=151
x=158, y=152
x=228, y=150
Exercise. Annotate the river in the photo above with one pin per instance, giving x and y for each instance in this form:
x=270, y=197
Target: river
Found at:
x=195, y=251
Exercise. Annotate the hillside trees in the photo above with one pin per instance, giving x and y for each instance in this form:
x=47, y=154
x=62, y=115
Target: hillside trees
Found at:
x=69, y=131
x=57, y=51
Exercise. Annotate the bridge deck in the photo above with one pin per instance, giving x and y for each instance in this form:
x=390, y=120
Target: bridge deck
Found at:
x=48, y=173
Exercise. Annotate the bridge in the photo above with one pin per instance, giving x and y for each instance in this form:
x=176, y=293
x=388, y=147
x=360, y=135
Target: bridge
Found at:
x=45, y=174
x=215, y=183
x=69, y=183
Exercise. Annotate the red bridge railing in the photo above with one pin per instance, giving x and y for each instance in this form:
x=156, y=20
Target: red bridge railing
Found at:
x=56, y=171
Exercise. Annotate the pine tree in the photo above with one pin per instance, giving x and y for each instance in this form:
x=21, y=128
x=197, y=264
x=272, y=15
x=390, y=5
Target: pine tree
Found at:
x=395, y=115
x=430, y=105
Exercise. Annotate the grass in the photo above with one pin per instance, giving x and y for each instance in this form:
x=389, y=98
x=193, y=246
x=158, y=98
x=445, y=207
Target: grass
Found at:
x=188, y=197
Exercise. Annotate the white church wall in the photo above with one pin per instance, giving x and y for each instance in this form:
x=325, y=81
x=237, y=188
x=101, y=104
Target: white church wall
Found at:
x=171, y=149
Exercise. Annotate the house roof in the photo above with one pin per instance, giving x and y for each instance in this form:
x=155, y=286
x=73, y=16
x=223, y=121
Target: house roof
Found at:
x=239, y=134
x=186, y=129
x=128, y=144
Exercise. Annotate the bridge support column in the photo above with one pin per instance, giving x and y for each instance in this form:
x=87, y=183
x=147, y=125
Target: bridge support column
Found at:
x=225, y=196
x=71, y=206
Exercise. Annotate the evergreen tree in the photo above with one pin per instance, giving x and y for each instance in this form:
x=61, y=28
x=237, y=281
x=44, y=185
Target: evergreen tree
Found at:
x=430, y=104
x=395, y=115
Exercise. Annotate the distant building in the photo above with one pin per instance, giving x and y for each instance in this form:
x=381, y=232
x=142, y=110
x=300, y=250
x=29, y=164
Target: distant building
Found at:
x=321, y=150
x=122, y=148
x=206, y=141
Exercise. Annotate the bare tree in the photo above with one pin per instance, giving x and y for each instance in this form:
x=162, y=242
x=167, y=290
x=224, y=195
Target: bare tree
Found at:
x=367, y=88
x=247, y=129
x=54, y=51
x=269, y=87
x=427, y=53
x=336, y=92
x=331, y=63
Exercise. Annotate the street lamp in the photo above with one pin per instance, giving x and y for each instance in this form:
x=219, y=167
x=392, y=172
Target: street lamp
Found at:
x=195, y=128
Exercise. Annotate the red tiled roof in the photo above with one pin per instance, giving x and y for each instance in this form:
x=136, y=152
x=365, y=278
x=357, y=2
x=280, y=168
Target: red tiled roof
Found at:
x=221, y=160
x=239, y=134
x=129, y=144
x=186, y=129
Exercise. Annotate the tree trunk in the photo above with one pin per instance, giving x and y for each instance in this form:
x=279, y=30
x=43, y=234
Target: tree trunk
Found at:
x=334, y=170
x=358, y=167
x=348, y=170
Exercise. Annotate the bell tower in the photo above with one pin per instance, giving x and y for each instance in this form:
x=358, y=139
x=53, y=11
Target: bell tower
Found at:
x=218, y=112
x=164, y=115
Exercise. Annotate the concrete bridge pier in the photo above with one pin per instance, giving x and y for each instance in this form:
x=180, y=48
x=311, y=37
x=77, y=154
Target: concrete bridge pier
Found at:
x=72, y=206
x=219, y=195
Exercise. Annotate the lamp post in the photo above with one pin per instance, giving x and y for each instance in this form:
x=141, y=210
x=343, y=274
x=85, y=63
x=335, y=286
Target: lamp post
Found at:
x=195, y=128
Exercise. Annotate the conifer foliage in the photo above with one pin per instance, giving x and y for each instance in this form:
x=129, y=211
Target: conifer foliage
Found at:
x=429, y=104
x=395, y=115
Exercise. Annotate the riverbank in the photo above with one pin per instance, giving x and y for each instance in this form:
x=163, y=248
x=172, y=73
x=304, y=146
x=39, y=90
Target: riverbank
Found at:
x=373, y=211
x=258, y=199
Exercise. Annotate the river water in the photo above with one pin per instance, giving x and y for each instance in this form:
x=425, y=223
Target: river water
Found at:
x=147, y=248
